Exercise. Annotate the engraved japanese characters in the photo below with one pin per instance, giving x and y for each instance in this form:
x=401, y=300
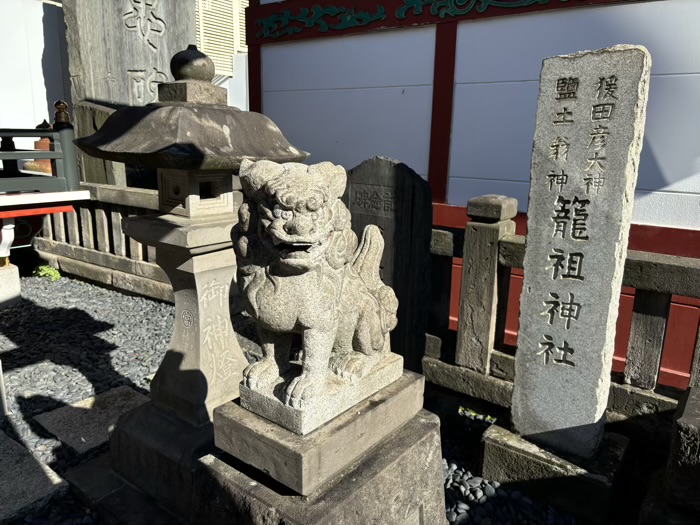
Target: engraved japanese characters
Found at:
x=302, y=273
x=588, y=138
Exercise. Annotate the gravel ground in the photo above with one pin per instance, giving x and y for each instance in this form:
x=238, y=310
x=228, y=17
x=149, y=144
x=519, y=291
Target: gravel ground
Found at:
x=69, y=340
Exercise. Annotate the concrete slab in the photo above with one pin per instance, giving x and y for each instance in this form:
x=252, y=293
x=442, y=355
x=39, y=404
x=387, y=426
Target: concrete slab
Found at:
x=26, y=484
x=303, y=463
x=584, y=489
x=88, y=423
x=398, y=483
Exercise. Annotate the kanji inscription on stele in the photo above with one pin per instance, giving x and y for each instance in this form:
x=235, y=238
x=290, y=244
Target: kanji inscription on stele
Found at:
x=588, y=139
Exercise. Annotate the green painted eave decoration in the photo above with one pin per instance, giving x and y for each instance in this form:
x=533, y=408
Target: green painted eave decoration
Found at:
x=325, y=18
x=322, y=19
x=454, y=8
x=298, y=19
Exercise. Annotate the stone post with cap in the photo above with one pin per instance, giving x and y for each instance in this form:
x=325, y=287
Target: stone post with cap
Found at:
x=197, y=143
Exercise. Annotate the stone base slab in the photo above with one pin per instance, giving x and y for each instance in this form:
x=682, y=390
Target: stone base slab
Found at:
x=87, y=424
x=398, y=483
x=303, y=463
x=338, y=396
x=26, y=484
x=117, y=502
x=585, y=491
x=468, y=381
x=10, y=293
x=157, y=452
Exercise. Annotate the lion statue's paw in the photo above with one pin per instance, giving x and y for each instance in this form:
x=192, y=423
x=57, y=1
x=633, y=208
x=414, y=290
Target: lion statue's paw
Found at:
x=302, y=389
x=261, y=373
x=351, y=365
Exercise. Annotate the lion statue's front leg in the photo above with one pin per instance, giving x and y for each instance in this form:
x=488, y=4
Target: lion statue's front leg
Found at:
x=275, y=361
x=317, y=345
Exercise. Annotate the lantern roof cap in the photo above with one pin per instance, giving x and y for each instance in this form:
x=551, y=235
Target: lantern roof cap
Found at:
x=191, y=127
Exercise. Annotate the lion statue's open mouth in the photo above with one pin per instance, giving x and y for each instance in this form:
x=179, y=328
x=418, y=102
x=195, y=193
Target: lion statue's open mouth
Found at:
x=300, y=270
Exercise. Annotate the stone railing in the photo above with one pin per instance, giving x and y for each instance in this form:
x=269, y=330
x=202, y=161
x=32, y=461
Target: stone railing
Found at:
x=479, y=364
x=89, y=242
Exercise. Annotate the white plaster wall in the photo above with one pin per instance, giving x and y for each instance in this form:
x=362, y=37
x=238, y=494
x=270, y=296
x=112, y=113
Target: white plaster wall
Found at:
x=33, y=62
x=348, y=98
x=237, y=86
x=496, y=77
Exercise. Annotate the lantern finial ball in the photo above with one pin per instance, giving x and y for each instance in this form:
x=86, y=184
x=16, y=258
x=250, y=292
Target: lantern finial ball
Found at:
x=192, y=64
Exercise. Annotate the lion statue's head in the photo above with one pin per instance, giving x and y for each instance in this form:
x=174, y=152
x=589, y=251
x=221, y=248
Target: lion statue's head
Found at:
x=292, y=216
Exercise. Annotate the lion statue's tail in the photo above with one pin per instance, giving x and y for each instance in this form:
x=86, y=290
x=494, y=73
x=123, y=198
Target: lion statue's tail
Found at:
x=366, y=263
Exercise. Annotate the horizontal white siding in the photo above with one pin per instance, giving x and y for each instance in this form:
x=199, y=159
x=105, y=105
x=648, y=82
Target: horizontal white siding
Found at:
x=349, y=98
x=496, y=77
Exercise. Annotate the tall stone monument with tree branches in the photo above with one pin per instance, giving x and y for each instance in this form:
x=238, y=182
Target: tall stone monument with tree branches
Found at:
x=118, y=53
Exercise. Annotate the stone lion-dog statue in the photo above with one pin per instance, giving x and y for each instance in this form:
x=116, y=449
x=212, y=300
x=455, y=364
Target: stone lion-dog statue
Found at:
x=301, y=271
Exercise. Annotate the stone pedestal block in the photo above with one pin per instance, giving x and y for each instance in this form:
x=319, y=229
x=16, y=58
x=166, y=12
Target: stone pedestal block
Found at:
x=584, y=489
x=303, y=463
x=157, y=452
x=339, y=395
x=9, y=286
x=397, y=483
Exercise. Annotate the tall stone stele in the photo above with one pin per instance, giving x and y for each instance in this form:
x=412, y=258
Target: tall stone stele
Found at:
x=588, y=138
x=197, y=144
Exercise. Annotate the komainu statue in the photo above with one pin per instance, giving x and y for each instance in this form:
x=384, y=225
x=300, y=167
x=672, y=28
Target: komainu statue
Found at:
x=301, y=271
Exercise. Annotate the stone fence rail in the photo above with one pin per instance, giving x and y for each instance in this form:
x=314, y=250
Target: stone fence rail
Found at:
x=478, y=363
x=89, y=241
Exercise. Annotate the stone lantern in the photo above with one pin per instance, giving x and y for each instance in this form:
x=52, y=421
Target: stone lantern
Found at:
x=197, y=144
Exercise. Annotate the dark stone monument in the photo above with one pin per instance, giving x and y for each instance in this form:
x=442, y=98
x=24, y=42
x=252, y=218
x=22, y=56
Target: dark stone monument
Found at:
x=389, y=194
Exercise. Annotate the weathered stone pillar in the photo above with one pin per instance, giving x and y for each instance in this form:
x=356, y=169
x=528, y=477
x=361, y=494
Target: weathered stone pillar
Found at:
x=197, y=143
x=491, y=221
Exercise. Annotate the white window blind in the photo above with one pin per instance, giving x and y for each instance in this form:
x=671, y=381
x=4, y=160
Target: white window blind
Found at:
x=220, y=29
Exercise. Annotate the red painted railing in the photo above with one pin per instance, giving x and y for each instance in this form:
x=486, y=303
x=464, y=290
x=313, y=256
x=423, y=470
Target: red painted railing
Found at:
x=684, y=315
